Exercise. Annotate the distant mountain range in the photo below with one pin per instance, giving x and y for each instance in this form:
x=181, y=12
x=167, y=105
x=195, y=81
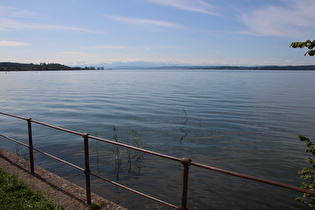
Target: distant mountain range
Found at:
x=9, y=66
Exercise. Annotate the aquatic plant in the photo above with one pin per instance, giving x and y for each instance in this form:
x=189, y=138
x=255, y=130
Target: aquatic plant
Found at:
x=97, y=154
x=135, y=158
x=134, y=161
x=184, y=126
x=117, y=155
x=21, y=152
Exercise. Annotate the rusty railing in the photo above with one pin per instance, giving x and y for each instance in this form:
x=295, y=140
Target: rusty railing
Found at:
x=186, y=162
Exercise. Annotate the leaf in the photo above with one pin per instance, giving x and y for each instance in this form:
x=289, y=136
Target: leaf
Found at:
x=311, y=45
x=297, y=44
x=311, y=52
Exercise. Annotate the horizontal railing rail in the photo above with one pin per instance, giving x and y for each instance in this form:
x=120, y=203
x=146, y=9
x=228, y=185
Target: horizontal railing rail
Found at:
x=186, y=162
x=44, y=153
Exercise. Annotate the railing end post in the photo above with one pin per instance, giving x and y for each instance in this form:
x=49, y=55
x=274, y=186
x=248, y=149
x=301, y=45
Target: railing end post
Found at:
x=185, y=161
x=30, y=145
x=87, y=167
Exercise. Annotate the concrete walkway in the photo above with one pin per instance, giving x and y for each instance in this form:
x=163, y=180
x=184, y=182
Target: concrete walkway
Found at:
x=56, y=189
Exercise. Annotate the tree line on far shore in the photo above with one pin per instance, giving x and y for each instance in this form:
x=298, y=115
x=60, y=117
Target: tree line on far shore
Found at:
x=8, y=66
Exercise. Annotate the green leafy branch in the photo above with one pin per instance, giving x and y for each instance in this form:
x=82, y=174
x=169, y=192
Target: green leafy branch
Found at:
x=308, y=174
x=308, y=43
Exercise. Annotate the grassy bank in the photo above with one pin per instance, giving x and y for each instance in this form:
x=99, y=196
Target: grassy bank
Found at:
x=16, y=195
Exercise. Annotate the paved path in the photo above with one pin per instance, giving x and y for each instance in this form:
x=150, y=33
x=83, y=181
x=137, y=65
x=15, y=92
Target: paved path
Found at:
x=56, y=189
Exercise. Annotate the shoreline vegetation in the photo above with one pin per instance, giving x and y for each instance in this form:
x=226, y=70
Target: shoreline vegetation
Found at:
x=14, y=194
x=9, y=66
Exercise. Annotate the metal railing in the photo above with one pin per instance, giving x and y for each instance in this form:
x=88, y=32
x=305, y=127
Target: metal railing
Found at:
x=186, y=162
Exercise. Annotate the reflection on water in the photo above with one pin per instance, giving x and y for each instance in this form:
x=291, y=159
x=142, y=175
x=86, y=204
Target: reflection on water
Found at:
x=245, y=121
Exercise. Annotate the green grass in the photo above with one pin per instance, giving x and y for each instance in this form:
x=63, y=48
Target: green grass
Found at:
x=16, y=195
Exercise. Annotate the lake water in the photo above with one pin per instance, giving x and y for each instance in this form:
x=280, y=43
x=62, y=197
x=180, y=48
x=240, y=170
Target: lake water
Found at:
x=244, y=121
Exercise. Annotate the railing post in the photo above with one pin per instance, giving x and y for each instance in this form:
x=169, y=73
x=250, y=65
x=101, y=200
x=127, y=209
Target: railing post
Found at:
x=87, y=168
x=30, y=144
x=186, y=162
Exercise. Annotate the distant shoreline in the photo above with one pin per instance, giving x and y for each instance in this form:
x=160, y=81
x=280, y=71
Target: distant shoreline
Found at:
x=8, y=66
x=292, y=68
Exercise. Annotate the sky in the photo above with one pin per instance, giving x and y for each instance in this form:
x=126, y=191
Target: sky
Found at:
x=168, y=32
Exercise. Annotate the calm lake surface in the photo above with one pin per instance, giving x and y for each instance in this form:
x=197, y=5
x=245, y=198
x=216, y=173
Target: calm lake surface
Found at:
x=244, y=121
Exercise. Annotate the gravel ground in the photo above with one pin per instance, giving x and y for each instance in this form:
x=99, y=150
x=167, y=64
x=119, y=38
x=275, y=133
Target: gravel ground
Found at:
x=56, y=189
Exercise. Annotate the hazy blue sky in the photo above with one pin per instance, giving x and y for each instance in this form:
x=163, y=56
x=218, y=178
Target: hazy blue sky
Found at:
x=202, y=32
